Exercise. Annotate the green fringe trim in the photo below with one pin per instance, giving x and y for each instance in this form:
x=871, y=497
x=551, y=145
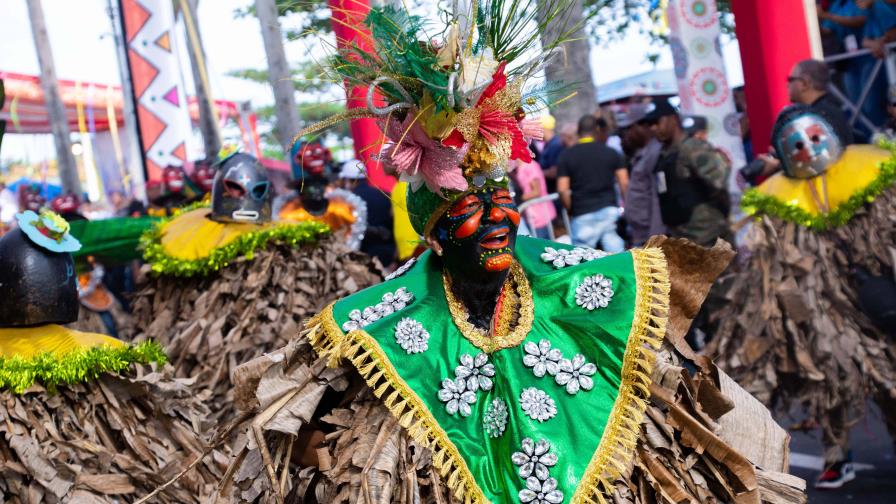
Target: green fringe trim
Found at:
x=293, y=235
x=754, y=203
x=78, y=366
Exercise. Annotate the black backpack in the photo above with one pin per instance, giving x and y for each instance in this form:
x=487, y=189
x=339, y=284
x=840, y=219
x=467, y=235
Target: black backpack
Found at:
x=678, y=196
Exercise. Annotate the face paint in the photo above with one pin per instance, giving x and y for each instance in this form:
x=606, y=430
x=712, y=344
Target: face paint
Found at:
x=480, y=229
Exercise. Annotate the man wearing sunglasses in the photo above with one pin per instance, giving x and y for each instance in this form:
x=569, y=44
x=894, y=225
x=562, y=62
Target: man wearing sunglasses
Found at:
x=807, y=84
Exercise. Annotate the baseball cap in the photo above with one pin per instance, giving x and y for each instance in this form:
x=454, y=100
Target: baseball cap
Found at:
x=633, y=114
x=694, y=123
x=658, y=109
x=352, y=169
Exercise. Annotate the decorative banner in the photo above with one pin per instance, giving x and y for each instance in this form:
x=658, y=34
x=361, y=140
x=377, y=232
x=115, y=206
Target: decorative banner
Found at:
x=162, y=108
x=702, y=83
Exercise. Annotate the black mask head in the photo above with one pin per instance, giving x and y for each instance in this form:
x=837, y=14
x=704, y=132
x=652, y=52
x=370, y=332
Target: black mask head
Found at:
x=478, y=232
x=37, y=286
x=242, y=191
x=313, y=195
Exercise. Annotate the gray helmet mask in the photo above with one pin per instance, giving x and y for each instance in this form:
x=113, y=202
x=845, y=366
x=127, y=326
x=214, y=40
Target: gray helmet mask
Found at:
x=241, y=191
x=806, y=143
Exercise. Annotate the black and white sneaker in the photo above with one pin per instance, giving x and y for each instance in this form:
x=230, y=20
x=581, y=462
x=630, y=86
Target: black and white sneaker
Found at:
x=836, y=476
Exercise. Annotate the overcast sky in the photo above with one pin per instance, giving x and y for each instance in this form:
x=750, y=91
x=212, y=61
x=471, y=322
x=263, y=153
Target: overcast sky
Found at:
x=80, y=35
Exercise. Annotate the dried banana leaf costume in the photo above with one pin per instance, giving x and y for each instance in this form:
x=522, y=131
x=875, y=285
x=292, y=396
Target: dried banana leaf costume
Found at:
x=543, y=403
x=227, y=284
x=812, y=305
x=82, y=420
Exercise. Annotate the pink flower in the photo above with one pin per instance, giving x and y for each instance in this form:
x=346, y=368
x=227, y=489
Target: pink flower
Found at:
x=420, y=159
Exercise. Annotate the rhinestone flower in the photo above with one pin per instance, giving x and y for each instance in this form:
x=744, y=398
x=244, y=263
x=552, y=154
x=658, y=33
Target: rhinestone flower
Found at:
x=534, y=458
x=401, y=269
x=411, y=336
x=477, y=371
x=495, y=420
x=542, y=358
x=458, y=398
x=541, y=492
x=537, y=405
x=576, y=374
x=561, y=258
x=390, y=303
x=595, y=291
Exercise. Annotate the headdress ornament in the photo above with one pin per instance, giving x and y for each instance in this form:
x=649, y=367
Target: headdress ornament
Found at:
x=454, y=106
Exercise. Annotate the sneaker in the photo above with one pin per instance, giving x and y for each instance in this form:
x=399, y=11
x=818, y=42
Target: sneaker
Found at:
x=835, y=476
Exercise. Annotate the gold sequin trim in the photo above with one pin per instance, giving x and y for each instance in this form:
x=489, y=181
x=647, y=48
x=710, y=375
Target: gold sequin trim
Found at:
x=483, y=340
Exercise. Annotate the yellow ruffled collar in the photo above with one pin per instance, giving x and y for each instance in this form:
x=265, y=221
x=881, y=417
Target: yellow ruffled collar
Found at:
x=828, y=200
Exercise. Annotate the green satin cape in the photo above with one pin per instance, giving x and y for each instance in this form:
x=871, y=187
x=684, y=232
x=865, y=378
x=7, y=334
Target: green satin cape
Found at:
x=593, y=432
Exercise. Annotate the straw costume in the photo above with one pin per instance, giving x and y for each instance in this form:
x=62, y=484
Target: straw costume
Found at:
x=496, y=368
x=812, y=306
x=84, y=419
x=226, y=284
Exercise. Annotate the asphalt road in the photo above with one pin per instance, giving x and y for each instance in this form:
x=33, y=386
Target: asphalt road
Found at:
x=873, y=453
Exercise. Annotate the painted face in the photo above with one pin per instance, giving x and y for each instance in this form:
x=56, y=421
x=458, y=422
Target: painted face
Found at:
x=807, y=145
x=204, y=176
x=30, y=198
x=313, y=196
x=174, y=179
x=480, y=228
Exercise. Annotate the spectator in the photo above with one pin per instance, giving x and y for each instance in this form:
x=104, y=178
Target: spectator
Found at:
x=692, y=181
x=642, y=205
x=585, y=177
x=696, y=127
x=879, y=31
x=889, y=129
x=842, y=25
x=808, y=84
x=378, y=241
x=550, y=152
x=740, y=104
x=531, y=184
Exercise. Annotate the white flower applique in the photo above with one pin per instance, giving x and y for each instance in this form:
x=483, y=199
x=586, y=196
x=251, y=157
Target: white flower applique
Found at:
x=537, y=405
x=390, y=303
x=541, y=492
x=456, y=396
x=411, y=336
x=576, y=374
x=595, y=291
x=495, y=420
x=561, y=258
x=477, y=371
x=535, y=458
x=542, y=358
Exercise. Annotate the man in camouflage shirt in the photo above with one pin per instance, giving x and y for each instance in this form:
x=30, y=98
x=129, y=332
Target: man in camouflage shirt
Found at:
x=691, y=179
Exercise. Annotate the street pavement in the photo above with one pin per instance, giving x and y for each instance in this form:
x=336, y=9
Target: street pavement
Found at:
x=873, y=454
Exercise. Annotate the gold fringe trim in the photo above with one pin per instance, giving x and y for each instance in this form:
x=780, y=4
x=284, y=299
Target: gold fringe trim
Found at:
x=621, y=433
x=348, y=115
x=365, y=354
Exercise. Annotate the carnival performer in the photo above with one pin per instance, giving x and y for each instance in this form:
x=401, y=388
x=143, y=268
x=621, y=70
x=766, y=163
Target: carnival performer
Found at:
x=813, y=309
x=522, y=366
x=225, y=283
x=83, y=421
x=313, y=200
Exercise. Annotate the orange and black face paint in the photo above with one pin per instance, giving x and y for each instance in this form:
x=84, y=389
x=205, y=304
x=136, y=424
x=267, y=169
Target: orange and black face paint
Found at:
x=474, y=216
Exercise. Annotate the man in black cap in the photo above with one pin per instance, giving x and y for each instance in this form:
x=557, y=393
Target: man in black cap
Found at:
x=691, y=180
x=642, y=205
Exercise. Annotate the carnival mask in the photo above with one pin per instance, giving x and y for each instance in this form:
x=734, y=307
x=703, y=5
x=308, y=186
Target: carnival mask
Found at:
x=479, y=228
x=203, y=176
x=310, y=160
x=30, y=198
x=241, y=192
x=313, y=196
x=807, y=145
x=174, y=179
x=65, y=204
